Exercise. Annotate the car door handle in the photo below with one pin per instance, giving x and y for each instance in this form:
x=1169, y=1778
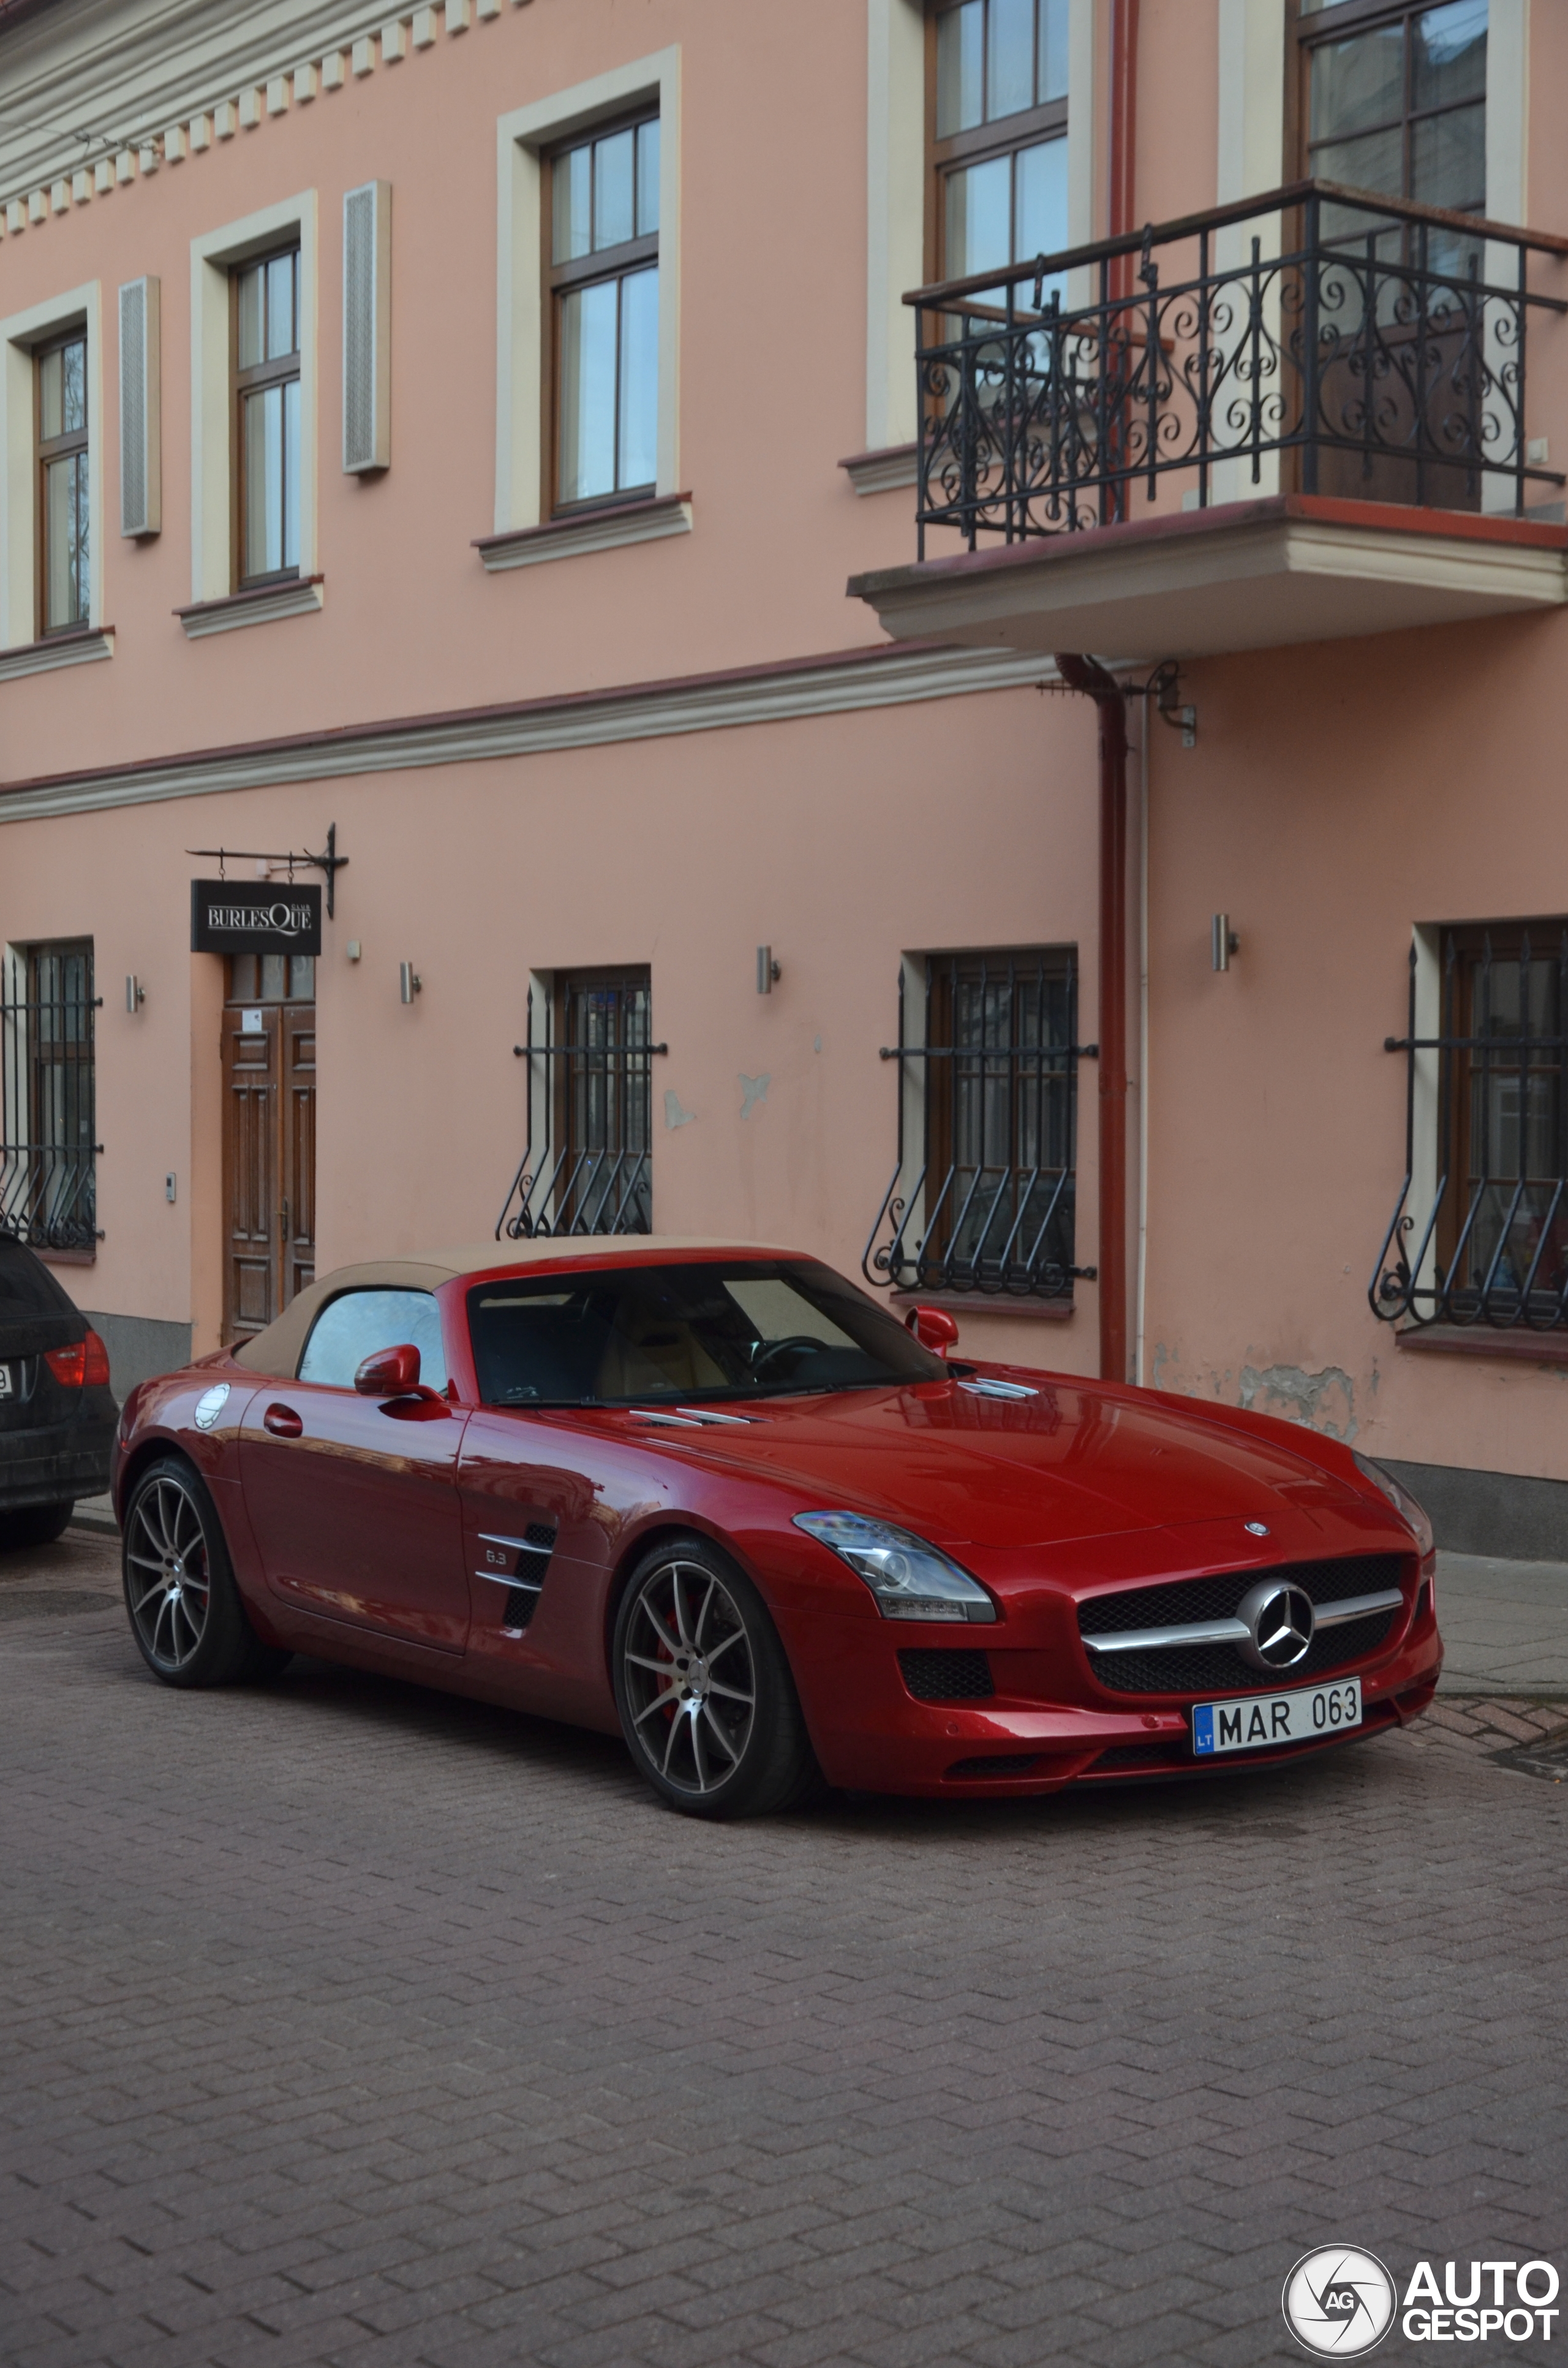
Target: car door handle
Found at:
x=282, y=1422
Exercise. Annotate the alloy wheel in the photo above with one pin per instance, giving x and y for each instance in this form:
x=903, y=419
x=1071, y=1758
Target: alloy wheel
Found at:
x=169, y=1580
x=689, y=1678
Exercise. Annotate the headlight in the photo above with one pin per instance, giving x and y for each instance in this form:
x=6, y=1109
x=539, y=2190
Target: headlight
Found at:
x=910, y=1580
x=1402, y=1500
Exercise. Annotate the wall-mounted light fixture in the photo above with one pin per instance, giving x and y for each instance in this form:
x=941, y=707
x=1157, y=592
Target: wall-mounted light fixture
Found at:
x=1166, y=684
x=353, y=950
x=767, y=969
x=169, y=1185
x=409, y=982
x=135, y=994
x=1222, y=941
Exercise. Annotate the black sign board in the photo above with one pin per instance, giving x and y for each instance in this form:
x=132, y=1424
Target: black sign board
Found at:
x=270, y=918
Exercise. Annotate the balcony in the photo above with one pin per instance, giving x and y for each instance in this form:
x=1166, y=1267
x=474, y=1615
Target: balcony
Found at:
x=1294, y=420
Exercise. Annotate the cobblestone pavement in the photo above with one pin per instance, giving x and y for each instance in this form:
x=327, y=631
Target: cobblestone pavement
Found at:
x=347, y=2023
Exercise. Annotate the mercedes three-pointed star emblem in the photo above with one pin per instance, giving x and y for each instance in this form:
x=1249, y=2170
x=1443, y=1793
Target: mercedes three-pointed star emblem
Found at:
x=1279, y=1618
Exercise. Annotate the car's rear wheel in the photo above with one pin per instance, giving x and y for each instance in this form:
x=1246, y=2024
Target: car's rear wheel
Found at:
x=707, y=1702
x=185, y=1612
x=35, y=1525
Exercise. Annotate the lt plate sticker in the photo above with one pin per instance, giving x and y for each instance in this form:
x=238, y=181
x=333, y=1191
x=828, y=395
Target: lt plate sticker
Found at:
x=1259, y=1720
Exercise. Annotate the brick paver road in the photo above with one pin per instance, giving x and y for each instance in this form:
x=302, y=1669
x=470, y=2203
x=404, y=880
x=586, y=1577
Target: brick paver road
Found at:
x=345, y=2023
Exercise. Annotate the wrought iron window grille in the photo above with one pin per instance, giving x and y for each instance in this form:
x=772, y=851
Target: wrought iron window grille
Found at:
x=1479, y=1234
x=48, y=1156
x=1376, y=346
x=983, y=1196
x=587, y=1167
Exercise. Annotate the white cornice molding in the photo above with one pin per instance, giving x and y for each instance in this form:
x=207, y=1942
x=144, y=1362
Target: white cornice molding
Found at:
x=131, y=68
x=652, y=711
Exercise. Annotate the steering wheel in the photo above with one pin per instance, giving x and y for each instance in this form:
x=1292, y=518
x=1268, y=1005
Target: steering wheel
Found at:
x=764, y=1354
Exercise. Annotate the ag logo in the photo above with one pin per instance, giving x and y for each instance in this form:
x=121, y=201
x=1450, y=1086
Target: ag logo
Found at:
x=1339, y=2302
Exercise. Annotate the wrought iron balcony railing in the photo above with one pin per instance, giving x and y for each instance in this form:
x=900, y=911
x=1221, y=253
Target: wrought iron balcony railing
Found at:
x=1316, y=340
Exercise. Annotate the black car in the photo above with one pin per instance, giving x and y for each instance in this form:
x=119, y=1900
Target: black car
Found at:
x=57, y=1411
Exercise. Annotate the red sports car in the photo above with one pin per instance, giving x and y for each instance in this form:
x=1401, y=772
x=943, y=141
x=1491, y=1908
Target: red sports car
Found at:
x=714, y=1498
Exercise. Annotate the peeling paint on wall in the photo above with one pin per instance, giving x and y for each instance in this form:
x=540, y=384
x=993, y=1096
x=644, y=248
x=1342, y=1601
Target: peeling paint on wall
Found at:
x=673, y=1114
x=754, y=1090
x=1326, y=1401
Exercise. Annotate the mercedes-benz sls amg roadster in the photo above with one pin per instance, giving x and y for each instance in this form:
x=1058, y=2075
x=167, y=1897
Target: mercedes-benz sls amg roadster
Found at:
x=714, y=1498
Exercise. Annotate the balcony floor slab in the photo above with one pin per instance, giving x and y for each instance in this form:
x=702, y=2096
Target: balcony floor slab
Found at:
x=1242, y=575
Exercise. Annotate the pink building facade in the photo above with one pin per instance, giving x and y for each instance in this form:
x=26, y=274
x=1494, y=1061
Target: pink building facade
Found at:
x=444, y=442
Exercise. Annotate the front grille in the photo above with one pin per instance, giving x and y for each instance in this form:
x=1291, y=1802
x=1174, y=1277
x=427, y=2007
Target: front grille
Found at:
x=1220, y=1668
x=1005, y=1763
x=947, y=1677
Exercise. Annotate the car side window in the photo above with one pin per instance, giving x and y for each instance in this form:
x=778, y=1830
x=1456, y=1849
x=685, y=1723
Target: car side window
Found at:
x=359, y=1324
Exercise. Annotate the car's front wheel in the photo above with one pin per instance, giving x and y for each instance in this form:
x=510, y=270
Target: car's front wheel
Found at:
x=185, y=1612
x=707, y=1702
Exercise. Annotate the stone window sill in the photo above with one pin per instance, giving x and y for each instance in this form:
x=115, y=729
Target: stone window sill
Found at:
x=68, y=1258
x=569, y=538
x=980, y=1302
x=886, y=471
x=301, y=597
x=58, y=649
x=1460, y=1340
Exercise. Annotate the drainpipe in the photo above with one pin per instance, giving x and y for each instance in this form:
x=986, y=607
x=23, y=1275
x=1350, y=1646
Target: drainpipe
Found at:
x=1123, y=118
x=1083, y=673
x=1087, y=675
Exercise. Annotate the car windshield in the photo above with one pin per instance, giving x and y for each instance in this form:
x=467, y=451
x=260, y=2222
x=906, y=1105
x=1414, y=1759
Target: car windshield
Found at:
x=633, y=1336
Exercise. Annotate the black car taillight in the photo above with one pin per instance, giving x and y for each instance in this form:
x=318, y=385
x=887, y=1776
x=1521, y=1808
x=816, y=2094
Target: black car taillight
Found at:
x=84, y=1365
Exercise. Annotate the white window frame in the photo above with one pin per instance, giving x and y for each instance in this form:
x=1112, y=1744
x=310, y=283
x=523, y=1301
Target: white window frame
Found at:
x=20, y=337
x=213, y=259
x=522, y=499
x=896, y=167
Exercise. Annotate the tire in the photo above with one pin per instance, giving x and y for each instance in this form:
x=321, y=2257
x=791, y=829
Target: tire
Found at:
x=35, y=1525
x=184, y=1609
x=708, y=1706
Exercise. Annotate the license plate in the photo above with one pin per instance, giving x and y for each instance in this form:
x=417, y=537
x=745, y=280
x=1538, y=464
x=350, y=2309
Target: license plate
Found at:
x=8, y=1387
x=1258, y=1720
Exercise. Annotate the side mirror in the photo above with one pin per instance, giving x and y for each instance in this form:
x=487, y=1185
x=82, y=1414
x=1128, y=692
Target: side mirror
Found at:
x=389, y=1374
x=934, y=1329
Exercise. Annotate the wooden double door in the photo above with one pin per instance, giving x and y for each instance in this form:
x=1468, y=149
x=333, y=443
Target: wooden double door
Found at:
x=269, y=1160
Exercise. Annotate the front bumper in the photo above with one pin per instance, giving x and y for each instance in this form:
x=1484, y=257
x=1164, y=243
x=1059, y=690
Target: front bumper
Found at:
x=870, y=1734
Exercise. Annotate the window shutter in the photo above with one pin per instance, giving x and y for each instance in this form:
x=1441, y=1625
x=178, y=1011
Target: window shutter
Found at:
x=367, y=327
x=141, y=471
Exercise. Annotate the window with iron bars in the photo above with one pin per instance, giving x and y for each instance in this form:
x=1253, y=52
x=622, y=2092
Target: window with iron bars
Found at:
x=1479, y=1235
x=983, y=1197
x=48, y=1185
x=588, y=1165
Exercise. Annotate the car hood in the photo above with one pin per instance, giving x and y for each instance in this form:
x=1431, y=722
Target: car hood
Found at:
x=1072, y=1462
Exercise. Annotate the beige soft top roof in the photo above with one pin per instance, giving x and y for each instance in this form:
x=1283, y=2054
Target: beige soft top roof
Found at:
x=278, y=1351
